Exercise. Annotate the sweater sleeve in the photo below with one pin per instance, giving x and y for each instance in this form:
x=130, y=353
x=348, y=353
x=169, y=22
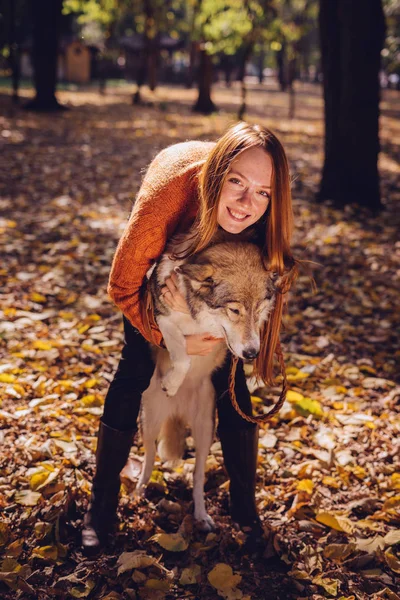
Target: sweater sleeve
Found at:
x=168, y=187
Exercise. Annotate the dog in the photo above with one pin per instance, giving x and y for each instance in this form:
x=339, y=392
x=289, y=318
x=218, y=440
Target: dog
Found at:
x=230, y=295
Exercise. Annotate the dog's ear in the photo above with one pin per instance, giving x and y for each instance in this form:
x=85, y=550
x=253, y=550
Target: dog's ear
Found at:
x=200, y=275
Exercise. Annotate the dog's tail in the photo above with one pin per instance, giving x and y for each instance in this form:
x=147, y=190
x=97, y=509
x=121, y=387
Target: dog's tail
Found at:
x=171, y=444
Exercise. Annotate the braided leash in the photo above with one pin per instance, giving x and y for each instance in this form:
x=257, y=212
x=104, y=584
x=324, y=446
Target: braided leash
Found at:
x=275, y=409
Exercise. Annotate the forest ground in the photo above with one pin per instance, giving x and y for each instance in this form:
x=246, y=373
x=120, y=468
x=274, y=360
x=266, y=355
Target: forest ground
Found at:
x=328, y=478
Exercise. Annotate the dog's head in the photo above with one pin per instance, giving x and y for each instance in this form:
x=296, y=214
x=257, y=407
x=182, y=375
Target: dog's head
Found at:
x=229, y=283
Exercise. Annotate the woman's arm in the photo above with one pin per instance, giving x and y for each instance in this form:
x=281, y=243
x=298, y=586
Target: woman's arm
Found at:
x=197, y=344
x=168, y=196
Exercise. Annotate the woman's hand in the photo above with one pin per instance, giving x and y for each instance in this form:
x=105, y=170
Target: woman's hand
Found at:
x=201, y=344
x=171, y=296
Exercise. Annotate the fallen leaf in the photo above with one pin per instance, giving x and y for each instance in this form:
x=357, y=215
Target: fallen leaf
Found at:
x=221, y=577
x=174, y=542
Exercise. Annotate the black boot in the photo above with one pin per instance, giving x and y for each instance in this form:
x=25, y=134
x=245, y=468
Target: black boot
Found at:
x=112, y=452
x=240, y=450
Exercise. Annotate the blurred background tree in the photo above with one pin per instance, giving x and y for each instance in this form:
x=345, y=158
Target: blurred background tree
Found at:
x=352, y=35
x=180, y=42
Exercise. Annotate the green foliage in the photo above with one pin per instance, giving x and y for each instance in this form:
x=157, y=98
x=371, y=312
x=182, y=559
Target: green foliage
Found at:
x=391, y=50
x=102, y=11
x=226, y=26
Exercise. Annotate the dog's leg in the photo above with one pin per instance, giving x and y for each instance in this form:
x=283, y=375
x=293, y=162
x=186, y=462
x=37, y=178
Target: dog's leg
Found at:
x=176, y=345
x=150, y=425
x=149, y=457
x=203, y=432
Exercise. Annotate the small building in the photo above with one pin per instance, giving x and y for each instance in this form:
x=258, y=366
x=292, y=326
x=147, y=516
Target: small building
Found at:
x=74, y=61
x=77, y=60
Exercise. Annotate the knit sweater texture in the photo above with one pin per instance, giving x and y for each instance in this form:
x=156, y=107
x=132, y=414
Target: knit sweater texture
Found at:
x=167, y=203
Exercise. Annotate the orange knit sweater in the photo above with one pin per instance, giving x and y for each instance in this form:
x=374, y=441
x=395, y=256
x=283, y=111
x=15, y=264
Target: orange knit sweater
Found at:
x=167, y=203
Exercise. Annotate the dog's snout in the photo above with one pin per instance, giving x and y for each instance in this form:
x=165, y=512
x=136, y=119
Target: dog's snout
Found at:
x=250, y=353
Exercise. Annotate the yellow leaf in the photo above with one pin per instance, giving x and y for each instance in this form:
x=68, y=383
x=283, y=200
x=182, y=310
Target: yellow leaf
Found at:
x=157, y=477
x=391, y=503
x=90, y=400
x=38, y=479
x=83, y=328
x=137, y=559
x=19, y=388
x=329, y=585
x=66, y=315
x=293, y=396
x=338, y=552
x=337, y=522
x=292, y=370
x=307, y=406
x=338, y=405
x=392, y=537
x=359, y=472
x=66, y=384
x=94, y=317
x=46, y=552
x=256, y=399
x=367, y=369
x=190, y=575
x=395, y=481
x=90, y=383
x=298, y=377
x=27, y=497
x=42, y=345
x=158, y=584
x=4, y=533
x=7, y=378
x=331, y=482
x=10, y=565
x=15, y=548
x=36, y=297
x=90, y=348
x=67, y=447
x=392, y=561
x=306, y=485
x=174, y=542
x=222, y=578
x=341, y=390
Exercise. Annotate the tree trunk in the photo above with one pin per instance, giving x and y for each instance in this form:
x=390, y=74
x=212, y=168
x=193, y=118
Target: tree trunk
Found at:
x=204, y=103
x=281, y=60
x=242, y=74
x=260, y=65
x=46, y=16
x=14, y=52
x=152, y=61
x=352, y=33
x=141, y=75
x=194, y=49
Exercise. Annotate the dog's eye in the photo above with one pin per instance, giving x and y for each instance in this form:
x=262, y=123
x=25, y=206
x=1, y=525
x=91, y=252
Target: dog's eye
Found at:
x=235, y=311
x=209, y=280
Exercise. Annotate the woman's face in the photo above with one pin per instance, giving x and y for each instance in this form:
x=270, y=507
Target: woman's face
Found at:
x=246, y=192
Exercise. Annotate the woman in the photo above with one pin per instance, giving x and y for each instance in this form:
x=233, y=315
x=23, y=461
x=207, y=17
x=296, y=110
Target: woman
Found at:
x=237, y=188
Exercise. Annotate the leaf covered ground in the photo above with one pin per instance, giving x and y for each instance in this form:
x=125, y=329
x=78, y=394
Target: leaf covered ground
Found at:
x=328, y=476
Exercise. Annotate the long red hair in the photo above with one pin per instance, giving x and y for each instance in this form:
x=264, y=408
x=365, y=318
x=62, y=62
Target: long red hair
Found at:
x=278, y=220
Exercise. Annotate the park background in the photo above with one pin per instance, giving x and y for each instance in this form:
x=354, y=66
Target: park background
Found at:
x=90, y=91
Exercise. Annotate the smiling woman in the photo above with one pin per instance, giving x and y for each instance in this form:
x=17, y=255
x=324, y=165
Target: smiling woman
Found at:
x=244, y=197
x=237, y=187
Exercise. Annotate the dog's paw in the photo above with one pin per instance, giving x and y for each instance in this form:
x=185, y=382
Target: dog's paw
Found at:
x=169, y=384
x=139, y=490
x=205, y=523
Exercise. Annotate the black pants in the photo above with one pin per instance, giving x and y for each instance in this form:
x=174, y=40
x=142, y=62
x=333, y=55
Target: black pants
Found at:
x=132, y=378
